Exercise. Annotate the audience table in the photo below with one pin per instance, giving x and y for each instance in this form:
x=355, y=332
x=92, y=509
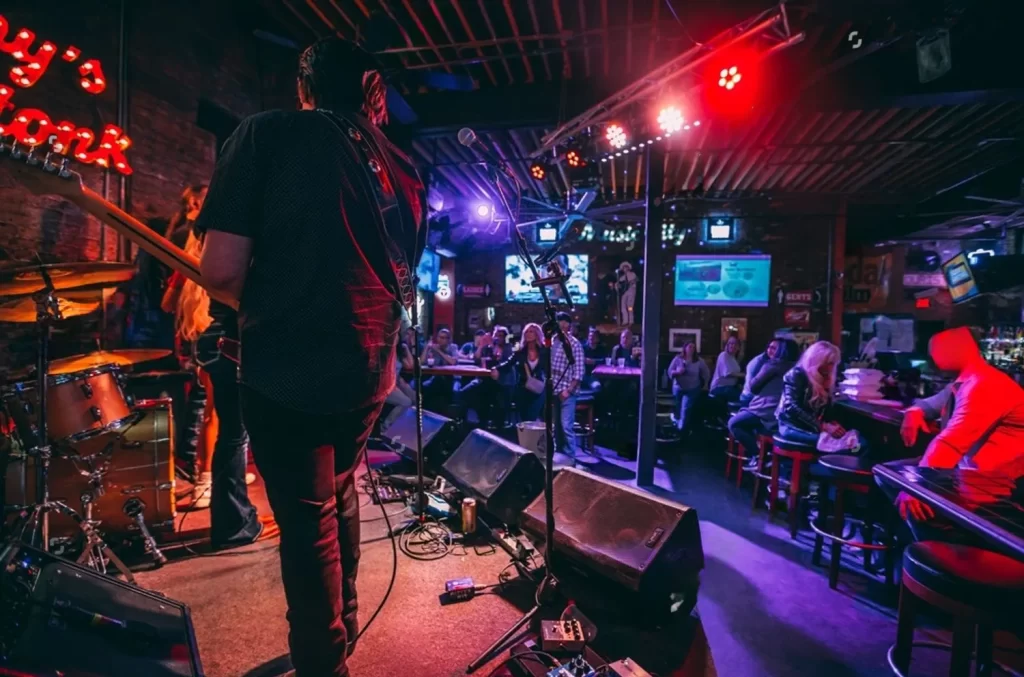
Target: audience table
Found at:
x=613, y=371
x=988, y=505
x=456, y=370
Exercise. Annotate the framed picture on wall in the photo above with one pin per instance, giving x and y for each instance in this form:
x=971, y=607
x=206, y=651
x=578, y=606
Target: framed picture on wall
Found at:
x=677, y=338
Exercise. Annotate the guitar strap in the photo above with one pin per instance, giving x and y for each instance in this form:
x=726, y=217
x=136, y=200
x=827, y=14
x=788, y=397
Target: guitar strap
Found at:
x=398, y=223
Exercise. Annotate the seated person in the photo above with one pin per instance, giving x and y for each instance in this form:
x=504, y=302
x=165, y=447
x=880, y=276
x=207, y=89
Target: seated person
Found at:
x=594, y=355
x=403, y=396
x=984, y=430
x=525, y=368
x=488, y=398
x=758, y=416
x=626, y=350
x=728, y=376
x=754, y=366
x=689, y=376
x=439, y=390
x=808, y=390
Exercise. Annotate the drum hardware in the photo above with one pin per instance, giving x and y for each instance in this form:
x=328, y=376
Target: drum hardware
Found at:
x=135, y=509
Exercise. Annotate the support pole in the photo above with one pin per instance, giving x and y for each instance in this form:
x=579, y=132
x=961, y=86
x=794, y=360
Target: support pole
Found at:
x=837, y=283
x=650, y=328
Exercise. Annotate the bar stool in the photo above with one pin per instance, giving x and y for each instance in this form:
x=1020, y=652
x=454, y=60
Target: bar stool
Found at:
x=585, y=431
x=977, y=587
x=802, y=455
x=847, y=474
x=764, y=450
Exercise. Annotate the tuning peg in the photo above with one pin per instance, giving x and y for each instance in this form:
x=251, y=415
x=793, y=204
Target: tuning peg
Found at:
x=64, y=172
x=3, y=147
x=48, y=164
x=16, y=152
x=31, y=159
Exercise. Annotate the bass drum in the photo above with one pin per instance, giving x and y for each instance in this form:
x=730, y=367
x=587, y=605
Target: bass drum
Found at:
x=140, y=470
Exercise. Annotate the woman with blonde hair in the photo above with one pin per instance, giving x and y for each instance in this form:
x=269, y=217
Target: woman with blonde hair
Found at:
x=808, y=389
x=527, y=363
x=201, y=322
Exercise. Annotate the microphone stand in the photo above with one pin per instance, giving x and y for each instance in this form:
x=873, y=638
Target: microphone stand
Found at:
x=548, y=585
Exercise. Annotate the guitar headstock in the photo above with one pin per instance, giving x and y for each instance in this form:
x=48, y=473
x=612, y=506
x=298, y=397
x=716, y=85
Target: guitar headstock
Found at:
x=43, y=173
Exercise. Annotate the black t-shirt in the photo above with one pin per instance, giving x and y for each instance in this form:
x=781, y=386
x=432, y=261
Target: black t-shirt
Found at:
x=319, y=321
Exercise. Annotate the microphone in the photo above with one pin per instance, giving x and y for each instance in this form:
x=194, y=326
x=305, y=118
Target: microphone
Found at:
x=571, y=234
x=469, y=139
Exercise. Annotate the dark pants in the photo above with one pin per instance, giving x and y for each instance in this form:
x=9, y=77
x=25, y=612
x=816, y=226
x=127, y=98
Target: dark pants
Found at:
x=309, y=464
x=233, y=518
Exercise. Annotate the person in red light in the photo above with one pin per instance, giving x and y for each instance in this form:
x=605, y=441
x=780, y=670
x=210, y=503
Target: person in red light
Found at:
x=985, y=428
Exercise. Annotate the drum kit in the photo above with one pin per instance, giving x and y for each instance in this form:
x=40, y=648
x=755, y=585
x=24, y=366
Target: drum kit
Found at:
x=73, y=432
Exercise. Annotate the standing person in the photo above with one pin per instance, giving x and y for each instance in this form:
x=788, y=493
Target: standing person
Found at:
x=526, y=369
x=201, y=323
x=566, y=379
x=725, y=381
x=312, y=220
x=689, y=376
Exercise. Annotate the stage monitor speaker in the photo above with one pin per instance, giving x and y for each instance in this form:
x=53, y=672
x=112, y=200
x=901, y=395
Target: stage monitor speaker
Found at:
x=644, y=543
x=62, y=618
x=438, y=436
x=503, y=477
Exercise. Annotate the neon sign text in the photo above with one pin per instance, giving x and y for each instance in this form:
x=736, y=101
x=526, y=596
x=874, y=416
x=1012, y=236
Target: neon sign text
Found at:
x=33, y=127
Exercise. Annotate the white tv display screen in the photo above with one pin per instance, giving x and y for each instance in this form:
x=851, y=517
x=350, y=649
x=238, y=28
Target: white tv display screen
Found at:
x=723, y=280
x=518, y=279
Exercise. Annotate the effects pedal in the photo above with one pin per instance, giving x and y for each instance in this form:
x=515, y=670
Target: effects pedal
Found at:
x=577, y=667
x=627, y=667
x=564, y=635
x=388, y=494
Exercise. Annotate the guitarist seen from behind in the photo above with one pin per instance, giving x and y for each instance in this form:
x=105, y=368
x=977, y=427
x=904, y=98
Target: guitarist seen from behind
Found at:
x=313, y=221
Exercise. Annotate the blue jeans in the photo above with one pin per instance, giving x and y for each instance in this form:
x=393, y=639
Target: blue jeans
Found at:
x=565, y=419
x=687, y=400
x=745, y=426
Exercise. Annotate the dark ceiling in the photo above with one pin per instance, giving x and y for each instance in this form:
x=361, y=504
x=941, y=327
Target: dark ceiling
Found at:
x=840, y=121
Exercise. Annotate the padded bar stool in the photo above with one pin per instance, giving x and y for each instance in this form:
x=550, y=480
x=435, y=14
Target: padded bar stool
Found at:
x=977, y=587
x=585, y=431
x=802, y=456
x=847, y=474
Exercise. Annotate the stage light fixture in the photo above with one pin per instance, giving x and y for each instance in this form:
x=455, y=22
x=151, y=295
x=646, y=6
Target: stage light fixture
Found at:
x=729, y=77
x=483, y=210
x=670, y=119
x=538, y=171
x=574, y=158
x=616, y=135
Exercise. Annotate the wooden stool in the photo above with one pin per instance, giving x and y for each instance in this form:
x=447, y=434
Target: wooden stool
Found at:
x=847, y=474
x=585, y=431
x=802, y=455
x=978, y=588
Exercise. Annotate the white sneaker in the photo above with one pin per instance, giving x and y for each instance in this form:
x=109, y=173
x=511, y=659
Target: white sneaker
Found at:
x=202, y=491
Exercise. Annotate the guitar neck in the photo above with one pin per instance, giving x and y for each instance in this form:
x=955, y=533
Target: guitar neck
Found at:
x=149, y=241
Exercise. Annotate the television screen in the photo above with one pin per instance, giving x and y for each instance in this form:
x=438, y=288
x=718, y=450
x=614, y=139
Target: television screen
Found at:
x=706, y=280
x=960, y=278
x=518, y=279
x=429, y=270
x=547, y=234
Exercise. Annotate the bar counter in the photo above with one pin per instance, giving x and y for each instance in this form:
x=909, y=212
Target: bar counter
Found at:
x=880, y=426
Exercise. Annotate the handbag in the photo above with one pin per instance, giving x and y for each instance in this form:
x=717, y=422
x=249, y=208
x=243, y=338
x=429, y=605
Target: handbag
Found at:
x=534, y=385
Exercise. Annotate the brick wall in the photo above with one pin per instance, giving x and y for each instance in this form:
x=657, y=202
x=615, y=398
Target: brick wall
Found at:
x=180, y=53
x=794, y=232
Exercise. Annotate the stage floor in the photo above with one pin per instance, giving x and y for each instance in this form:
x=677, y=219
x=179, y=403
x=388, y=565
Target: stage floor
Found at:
x=239, y=611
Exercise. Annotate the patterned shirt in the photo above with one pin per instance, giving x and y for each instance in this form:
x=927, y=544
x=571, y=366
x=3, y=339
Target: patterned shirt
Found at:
x=562, y=373
x=319, y=319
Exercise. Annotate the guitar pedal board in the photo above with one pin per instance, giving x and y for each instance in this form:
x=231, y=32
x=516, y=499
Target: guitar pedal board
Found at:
x=563, y=635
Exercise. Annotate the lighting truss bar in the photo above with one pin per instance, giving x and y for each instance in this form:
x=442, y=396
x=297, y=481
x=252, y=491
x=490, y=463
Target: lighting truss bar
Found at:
x=653, y=82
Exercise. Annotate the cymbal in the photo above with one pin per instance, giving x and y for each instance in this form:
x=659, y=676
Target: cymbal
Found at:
x=121, y=358
x=24, y=309
x=26, y=279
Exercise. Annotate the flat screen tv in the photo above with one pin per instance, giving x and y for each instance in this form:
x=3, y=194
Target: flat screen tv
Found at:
x=960, y=278
x=429, y=270
x=723, y=280
x=518, y=279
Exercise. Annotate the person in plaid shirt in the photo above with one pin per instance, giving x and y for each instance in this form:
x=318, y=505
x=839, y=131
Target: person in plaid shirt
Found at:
x=565, y=380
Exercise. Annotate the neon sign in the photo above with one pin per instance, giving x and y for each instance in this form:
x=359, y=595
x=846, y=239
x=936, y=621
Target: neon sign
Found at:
x=33, y=127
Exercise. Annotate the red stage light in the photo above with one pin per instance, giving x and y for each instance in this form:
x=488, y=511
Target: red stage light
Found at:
x=732, y=84
x=539, y=171
x=574, y=159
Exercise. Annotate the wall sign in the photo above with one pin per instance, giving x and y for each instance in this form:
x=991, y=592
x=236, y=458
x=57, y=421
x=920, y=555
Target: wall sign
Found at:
x=444, y=287
x=798, y=298
x=475, y=291
x=33, y=127
x=924, y=280
x=867, y=282
x=797, y=317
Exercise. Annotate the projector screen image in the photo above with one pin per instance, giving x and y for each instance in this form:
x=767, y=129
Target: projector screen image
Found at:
x=518, y=278
x=723, y=280
x=429, y=270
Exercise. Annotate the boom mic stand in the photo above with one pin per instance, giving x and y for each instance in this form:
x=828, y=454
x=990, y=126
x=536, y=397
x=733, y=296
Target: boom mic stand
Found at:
x=548, y=584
